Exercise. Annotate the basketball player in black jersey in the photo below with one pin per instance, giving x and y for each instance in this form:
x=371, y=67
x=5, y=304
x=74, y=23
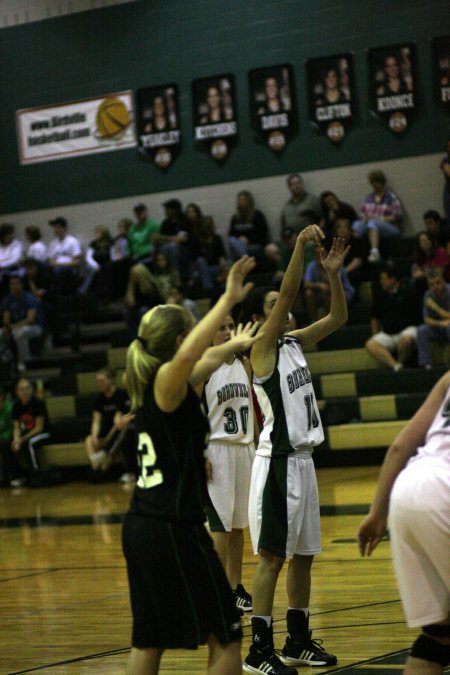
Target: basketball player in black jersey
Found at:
x=180, y=596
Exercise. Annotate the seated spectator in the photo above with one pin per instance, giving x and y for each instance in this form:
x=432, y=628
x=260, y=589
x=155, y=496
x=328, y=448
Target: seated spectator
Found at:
x=332, y=209
x=394, y=319
x=119, y=243
x=437, y=227
x=445, y=168
x=427, y=254
x=6, y=431
x=141, y=295
x=212, y=258
x=176, y=239
x=302, y=209
x=65, y=256
x=248, y=233
x=36, y=248
x=110, y=406
x=22, y=314
x=194, y=218
x=141, y=236
x=118, y=269
x=164, y=275
x=355, y=263
x=11, y=252
x=8, y=355
x=30, y=433
x=436, y=316
x=381, y=215
x=37, y=279
x=176, y=297
x=286, y=248
x=98, y=255
x=316, y=285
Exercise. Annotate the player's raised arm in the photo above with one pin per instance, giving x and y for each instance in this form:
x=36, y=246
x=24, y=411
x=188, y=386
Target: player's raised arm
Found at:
x=288, y=292
x=172, y=378
x=338, y=314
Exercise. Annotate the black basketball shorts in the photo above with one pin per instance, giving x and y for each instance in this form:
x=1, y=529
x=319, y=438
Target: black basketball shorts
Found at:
x=178, y=588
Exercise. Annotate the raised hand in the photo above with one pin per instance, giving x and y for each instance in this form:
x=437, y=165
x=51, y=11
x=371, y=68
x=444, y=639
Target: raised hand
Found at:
x=244, y=337
x=311, y=233
x=332, y=263
x=235, y=289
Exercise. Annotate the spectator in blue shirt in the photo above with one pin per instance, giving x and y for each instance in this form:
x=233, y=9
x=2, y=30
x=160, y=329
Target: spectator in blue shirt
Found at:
x=317, y=287
x=22, y=314
x=436, y=316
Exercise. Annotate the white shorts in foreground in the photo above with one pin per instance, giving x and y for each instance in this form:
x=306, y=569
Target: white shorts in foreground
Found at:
x=419, y=524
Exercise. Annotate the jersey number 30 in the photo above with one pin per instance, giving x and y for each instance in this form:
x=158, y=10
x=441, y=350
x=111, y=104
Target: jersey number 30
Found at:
x=231, y=423
x=149, y=476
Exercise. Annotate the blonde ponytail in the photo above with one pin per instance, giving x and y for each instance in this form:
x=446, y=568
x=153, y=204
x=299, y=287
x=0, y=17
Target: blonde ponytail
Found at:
x=156, y=344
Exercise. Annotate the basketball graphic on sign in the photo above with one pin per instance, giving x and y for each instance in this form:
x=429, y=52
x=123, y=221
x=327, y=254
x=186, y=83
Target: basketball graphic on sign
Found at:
x=112, y=118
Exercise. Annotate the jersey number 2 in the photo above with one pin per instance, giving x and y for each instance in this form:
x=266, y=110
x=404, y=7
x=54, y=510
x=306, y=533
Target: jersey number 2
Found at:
x=231, y=423
x=149, y=476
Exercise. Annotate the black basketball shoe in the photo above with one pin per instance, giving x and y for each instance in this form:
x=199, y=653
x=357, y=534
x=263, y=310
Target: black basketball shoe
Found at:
x=261, y=659
x=308, y=652
x=266, y=662
x=243, y=599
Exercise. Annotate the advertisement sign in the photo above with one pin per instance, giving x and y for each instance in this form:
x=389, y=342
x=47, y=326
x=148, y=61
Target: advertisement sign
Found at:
x=77, y=128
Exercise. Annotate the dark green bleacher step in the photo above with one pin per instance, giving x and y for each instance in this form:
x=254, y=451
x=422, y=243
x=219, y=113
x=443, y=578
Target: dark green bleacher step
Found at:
x=347, y=337
x=347, y=409
x=409, y=380
x=70, y=429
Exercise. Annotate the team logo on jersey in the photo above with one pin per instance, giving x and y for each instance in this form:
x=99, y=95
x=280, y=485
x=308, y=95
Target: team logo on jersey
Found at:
x=232, y=390
x=298, y=378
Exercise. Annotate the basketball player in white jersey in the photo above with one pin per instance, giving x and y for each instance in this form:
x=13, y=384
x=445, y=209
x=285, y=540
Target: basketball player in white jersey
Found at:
x=227, y=399
x=414, y=485
x=284, y=505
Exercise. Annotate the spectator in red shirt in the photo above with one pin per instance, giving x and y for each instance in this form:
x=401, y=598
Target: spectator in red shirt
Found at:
x=428, y=254
x=381, y=215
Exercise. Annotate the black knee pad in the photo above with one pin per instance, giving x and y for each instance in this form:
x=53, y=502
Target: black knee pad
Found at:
x=437, y=630
x=431, y=650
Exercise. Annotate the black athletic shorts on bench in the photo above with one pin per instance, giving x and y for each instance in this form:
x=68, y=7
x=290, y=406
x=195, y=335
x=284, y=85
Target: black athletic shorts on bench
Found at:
x=179, y=591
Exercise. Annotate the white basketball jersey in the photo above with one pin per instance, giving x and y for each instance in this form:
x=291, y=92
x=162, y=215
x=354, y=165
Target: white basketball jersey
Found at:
x=437, y=442
x=286, y=397
x=228, y=403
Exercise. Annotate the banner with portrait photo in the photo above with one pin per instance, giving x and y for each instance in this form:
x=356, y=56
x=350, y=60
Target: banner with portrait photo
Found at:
x=331, y=95
x=214, y=112
x=392, y=83
x=272, y=104
x=158, y=123
x=441, y=69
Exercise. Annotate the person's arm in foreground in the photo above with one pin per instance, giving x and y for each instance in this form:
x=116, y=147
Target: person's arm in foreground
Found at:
x=373, y=527
x=172, y=377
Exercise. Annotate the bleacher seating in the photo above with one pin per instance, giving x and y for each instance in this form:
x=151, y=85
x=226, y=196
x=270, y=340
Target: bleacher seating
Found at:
x=363, y=404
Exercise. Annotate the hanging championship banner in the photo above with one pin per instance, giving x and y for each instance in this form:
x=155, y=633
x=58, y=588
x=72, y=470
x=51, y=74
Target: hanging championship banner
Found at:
x=214, y=107
x=272, y=111
x=441, y=69
x=158, y=125
x=392, y=73
x=330, y=94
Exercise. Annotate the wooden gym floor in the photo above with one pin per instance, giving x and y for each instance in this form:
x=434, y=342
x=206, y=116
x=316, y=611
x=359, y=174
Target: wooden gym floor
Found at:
x=63, y=589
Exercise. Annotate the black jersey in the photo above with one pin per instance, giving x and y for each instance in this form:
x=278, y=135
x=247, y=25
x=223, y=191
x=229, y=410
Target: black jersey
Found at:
x=171, y=446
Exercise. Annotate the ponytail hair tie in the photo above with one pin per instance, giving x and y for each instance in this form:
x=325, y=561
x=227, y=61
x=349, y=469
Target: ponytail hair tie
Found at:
x=142, y=341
